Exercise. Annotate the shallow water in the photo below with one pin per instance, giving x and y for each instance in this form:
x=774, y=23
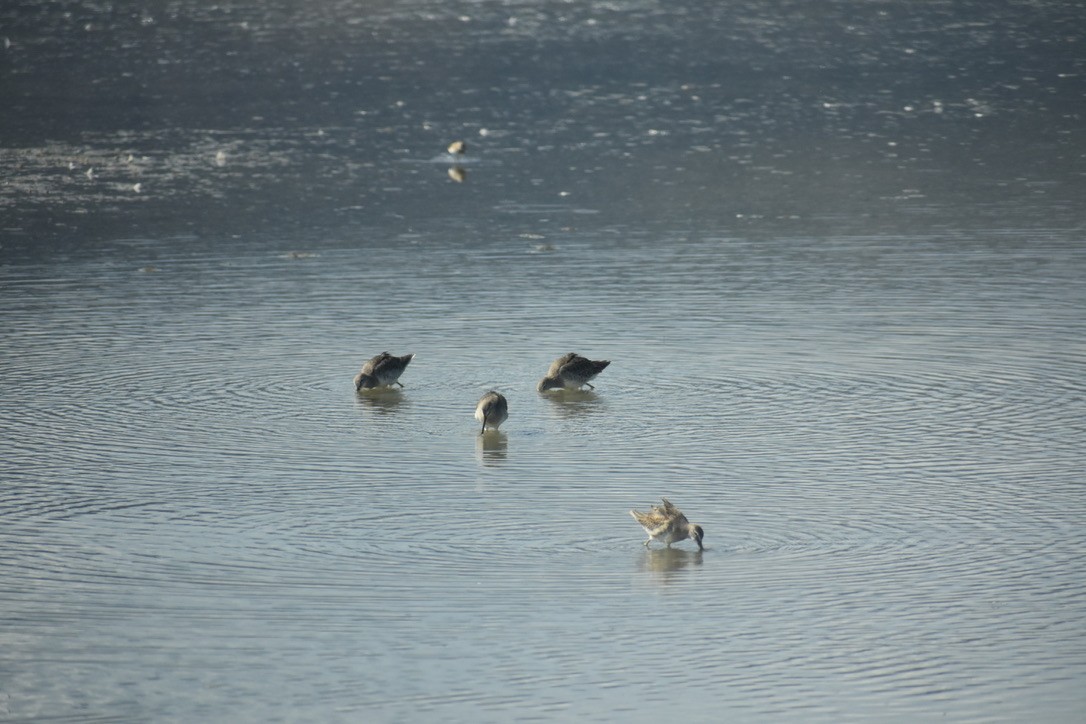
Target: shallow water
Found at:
x=848, y=342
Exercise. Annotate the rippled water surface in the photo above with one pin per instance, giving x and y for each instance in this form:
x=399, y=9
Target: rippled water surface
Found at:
x=836, y=262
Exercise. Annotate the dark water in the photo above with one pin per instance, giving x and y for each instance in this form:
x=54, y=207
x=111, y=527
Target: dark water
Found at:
x=835, y=257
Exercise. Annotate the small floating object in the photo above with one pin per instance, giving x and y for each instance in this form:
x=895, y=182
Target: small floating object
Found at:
x=220, y=158
x=572, y=371
x=89, y=173
x=492, y=411
x=458, y=174
x=384, y=370
x=458, y=148
x=137, y=187
x=149, y=269
x=668, y=524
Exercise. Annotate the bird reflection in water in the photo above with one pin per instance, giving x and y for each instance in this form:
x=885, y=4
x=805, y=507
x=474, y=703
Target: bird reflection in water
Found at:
x=568, y=404
x=491, y=447
x=664, y=562
x=382, y=400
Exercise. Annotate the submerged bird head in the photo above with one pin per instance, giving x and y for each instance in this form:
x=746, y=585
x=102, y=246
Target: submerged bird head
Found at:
x=697, y=534
x=549, y=383
x=364, y=382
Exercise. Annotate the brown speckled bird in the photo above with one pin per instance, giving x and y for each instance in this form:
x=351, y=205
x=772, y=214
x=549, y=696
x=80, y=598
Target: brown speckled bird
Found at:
x=571, y=371
x=667, y=523
x=383, y=370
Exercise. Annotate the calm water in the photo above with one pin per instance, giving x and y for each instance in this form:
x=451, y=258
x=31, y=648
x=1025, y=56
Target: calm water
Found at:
x=837, y=263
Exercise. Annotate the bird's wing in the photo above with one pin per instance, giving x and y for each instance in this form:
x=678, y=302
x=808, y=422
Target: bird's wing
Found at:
x=374, y=363
x=676, y=515
x=386, y=363
x=654, y=522
x=557, y=365
x=571, y=366
x=668, y=509
x=578, y=366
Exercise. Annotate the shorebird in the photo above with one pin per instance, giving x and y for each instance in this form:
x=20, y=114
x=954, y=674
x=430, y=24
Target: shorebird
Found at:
x=667, y=523
x=457, y=148
x=571, y=371
x=384, y=370
x=492, y=410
